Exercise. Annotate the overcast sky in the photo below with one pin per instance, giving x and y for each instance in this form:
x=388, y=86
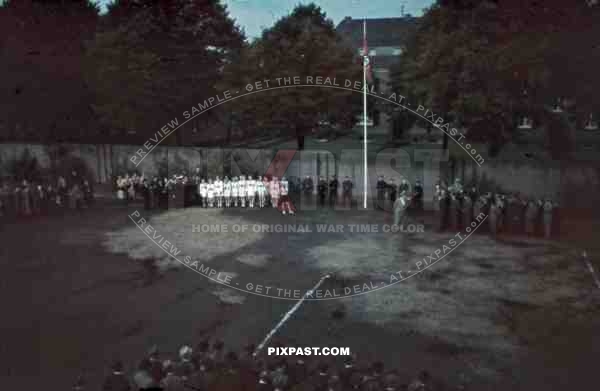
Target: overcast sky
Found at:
x=254, y=15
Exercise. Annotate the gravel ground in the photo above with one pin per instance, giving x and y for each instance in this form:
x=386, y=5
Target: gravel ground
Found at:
x=81, y=290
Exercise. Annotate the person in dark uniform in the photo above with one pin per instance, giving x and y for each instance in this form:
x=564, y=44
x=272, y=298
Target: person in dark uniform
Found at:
x=392, y=190
x=347, y=186
x=88, y=193
x=493, y=217
x=555, y=219
x=478, y=208
x=404, y=187
x=443, y=201
x=116, y=381
x=36, y=197
x=155, y=188
x=322, y=189
x=467, y=211
x=164, y=193
x=473, y=194
x=26, y=198
x=147, y=194
x=347, y=371
x=307, y=185
x=333, y=190
x=547, y=218
x=320, y=379
x=501, y=212
x=79, y=384
x=453, y=211
x=418, y=195
x=509, y=214
x=516, y=215
x=539, y=224
x=4, y=199
x=531, y=212
x=381, y=185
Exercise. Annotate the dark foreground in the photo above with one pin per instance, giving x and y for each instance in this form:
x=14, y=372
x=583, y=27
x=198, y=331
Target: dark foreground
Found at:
x=71, y=307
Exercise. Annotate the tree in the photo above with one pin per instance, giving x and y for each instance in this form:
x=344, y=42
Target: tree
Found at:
x=46, y=98
x=154, y=59
x=483, y=63
x=303, y=43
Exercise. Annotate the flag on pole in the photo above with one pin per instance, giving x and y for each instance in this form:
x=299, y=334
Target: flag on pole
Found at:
x=366, y=77
x=366, y=60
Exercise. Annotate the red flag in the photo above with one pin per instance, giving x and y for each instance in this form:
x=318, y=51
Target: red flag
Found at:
x=366, y=60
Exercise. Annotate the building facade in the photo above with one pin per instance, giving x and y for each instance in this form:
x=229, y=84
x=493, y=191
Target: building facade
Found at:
x=386, y=40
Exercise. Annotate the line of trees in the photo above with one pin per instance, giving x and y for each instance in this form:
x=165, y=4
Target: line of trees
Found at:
x=73, y=74
x=486, y=63
x=69, y=73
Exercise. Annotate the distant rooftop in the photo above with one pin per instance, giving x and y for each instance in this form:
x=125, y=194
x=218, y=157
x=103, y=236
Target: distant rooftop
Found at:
x=391, y=32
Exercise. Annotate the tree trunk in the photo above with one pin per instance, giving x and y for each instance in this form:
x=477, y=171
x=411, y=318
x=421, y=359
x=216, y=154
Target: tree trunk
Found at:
x=300, y=139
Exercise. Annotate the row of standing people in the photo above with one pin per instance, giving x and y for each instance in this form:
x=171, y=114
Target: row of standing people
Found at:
x=230, y=192
x=208, y=367
x=506, y=213
x=27, y=198
x=328, y=189
x=217, y=192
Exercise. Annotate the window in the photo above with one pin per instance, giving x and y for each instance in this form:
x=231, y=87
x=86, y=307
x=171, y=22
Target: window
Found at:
x=372, y=52
x=525, y=123
x=396, y=52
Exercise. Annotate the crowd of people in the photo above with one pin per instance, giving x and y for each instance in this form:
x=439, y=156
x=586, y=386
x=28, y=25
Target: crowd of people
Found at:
x=456, y=208
x=207, y=367
x=241, y=191
x=511, y=213
x=180, y=190
x=23, y=198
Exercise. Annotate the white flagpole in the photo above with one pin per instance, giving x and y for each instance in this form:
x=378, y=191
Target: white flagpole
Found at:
x=365, y=111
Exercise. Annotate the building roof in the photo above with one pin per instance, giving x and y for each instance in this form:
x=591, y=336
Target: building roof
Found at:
x=392, y=32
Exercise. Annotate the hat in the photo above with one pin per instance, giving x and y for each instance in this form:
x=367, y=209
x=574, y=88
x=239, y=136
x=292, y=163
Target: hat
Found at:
x=391, y=380
x=117, y=366
x=153, y=351
x=185, y=351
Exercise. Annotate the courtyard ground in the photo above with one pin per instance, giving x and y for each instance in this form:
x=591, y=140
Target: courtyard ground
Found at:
x=78, y=291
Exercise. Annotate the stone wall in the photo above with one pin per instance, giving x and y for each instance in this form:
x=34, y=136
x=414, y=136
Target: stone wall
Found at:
x=102, y=161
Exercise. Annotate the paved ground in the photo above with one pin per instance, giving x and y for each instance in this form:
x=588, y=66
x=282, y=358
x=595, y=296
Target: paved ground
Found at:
x=79, y=291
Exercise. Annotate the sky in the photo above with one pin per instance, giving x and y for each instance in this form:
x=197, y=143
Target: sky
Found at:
x=254, y=15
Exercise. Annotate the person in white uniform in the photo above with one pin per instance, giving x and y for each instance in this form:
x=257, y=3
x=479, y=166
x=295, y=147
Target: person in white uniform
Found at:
x=210, y=193
x=274, y=190
x=203, y=189
x=262, y=191
x=235, y=191
x=219, y=192
x=227, y=192
x=251, y=191
x=286, y=203
x=242, y=190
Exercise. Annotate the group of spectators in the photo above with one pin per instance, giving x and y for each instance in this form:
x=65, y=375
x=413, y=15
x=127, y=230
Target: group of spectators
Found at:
x=215, y=192
x=208, y=367
x=23, y=198
x=511, y=213
x=456, y=207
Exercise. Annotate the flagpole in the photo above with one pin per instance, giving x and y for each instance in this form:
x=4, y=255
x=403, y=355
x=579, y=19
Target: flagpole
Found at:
x=365, y=111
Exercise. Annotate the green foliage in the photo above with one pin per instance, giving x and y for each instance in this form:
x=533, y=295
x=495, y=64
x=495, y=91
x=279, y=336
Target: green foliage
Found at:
x=154, y=59
x=301, y=44
x=471, y=62
x=25, y=167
